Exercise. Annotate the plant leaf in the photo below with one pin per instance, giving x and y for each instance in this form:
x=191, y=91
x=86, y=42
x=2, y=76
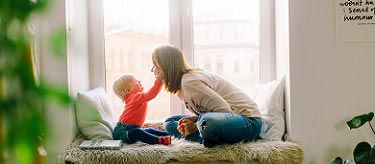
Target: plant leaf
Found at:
x=372, y=155
x=358, y=121
x=55, y=92
x=337, y=160
x=58, y=42
x=364, y=154
x=348, y=161
x=370, y=116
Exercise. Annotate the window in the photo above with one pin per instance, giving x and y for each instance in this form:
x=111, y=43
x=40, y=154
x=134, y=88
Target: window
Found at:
x=234, y=38
x=236, y=66
x=234, y=30
x=132, y=30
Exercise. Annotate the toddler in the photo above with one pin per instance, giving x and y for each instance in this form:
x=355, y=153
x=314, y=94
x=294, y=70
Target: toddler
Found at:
x=128, y=129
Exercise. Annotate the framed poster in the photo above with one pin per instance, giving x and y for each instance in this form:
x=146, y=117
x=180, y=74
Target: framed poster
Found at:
x=355, y=20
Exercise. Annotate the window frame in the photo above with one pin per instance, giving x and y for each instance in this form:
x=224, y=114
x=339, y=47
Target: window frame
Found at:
x=180, y=35
x=95, y=19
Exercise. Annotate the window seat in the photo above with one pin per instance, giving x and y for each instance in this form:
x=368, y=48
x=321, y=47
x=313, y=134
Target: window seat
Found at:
x=181, y=151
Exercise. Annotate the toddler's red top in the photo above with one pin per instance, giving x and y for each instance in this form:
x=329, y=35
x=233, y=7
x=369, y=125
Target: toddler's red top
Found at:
x=136, y=105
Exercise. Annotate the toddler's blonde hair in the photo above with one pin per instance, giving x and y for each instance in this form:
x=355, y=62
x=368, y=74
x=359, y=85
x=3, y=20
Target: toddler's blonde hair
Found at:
x=120, y=85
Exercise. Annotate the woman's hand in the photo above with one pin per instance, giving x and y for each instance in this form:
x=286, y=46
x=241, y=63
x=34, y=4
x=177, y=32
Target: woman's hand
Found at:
x=186, y=126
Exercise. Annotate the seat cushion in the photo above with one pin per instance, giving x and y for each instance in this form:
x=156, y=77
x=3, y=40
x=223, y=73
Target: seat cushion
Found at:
x=183, y=151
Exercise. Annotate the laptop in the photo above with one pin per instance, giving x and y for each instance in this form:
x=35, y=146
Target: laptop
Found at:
x=101, y=144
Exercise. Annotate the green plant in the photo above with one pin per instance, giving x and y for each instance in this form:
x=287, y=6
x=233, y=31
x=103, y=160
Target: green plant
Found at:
x=23, y=125
x=363, y=153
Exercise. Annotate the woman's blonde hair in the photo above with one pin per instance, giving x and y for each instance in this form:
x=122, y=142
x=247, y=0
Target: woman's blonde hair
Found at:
x=172, y=62
x=120, y=85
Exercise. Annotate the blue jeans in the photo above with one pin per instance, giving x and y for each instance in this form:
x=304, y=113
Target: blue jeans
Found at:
x=132, y=133
x=218, y=128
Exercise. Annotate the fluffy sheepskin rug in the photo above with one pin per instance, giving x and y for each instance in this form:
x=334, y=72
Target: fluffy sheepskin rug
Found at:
x=181, y=151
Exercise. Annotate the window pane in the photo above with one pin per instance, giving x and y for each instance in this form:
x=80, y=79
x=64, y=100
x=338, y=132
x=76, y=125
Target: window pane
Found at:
x=132, y=31
x=226, y=39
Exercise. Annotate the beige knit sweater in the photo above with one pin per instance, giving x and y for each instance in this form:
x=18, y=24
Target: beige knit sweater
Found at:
x=209, y=92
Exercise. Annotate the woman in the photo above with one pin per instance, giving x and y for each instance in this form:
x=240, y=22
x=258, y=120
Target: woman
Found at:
x=224, y=113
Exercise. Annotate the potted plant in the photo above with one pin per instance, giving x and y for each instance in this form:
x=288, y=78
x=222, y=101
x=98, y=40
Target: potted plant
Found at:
x=23, y=125
x=363, y=153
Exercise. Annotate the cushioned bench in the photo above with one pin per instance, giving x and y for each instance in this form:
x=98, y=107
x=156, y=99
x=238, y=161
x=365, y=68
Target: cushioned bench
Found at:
x=183, y=151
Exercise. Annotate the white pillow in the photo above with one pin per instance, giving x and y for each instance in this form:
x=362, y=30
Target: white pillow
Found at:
x=270, y=100
x=94, y=116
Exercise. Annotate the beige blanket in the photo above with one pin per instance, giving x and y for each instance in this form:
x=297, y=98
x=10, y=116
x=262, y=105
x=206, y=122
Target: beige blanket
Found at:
x=183, y=151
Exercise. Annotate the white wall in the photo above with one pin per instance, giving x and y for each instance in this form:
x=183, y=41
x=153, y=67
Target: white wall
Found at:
x=330, y=82
x=55, y=69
